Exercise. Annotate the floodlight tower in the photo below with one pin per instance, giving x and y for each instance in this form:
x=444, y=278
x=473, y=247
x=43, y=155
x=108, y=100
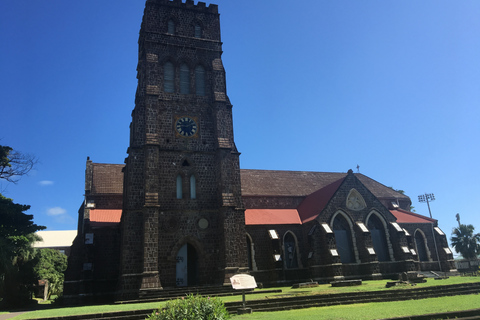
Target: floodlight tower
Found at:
x=427, y=197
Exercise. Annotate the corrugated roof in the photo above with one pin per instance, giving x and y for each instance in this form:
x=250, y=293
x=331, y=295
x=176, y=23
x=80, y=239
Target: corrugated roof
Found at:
x=102, y=215
x=404, y=216
x=313, y=204
x=55, y=239
x=271, y=216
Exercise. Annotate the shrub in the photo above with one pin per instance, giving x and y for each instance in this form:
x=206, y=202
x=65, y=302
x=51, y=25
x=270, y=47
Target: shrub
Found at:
x=192, y=308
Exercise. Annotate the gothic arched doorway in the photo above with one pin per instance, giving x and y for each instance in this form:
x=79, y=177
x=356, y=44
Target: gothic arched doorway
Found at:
x=187, y=266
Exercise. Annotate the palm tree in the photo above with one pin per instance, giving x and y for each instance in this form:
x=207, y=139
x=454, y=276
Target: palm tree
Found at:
x=465, y=241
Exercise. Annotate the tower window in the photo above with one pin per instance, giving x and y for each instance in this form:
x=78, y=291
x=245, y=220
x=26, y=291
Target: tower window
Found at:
x=168, y=77
x=193, y=187
x=200, y=81
x=198, y=31
x=171, y=27
x=179, y=187
x=184, y=79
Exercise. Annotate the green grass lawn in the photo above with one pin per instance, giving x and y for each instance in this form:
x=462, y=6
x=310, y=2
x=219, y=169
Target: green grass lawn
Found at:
x=379, y=310
x=286, y=291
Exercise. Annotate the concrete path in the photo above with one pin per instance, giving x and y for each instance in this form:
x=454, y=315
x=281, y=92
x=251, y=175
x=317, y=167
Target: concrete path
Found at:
x=9, y=315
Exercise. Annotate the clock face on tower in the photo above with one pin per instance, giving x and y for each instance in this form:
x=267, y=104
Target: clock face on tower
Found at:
x=186, y=127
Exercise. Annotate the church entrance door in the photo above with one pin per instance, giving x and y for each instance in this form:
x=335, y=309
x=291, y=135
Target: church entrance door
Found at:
x=187, y=266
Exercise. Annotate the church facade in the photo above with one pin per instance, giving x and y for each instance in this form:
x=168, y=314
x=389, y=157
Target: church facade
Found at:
x=180, y=212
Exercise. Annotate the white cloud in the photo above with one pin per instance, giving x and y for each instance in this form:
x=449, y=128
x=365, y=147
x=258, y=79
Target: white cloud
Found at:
x=56, y=211
x=45, y=183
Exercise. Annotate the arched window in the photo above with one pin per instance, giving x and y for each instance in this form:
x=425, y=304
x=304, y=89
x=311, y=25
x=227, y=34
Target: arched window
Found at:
x=343, y=239
x=198, y=31
x=179, y=187
x=171, y=27
x=200, y=81
x=168, y=77
x=184, y=79
x=249, y=253
x=377, y=231
x=193, y=187
x=290, y=247
x=252, y=265
x=421, y=246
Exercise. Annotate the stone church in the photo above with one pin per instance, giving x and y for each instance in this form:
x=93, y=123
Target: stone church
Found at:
x=181, y=213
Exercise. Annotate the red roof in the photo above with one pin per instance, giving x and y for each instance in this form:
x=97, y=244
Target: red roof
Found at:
x=404, y=216
x=105, y=216
x=312, y=205
x=271, y=216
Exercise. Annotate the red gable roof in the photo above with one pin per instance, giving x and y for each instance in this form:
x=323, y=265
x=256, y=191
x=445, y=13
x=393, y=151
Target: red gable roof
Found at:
x=101, y=216
x=271, y=216
x=312, y=205
x=404, y=216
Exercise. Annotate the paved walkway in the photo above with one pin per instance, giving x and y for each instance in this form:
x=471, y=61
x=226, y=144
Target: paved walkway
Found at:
x=9, y=315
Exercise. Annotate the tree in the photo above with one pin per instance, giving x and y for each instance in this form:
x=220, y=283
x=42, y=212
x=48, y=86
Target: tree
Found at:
x=14, y=164
x=411, y=208
x=50, y=266
x=17, y=233
x=465, y=242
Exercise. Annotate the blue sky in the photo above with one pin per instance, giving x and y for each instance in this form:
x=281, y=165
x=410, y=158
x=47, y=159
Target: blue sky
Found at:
x=316, y=85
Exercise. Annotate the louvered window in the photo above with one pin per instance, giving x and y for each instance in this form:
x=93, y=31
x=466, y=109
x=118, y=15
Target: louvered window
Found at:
x=200, y=81
x=193, y=187
x=171, y=27
x=184, y=79
x=198, y=31
x=168, y=77
x=179, y=187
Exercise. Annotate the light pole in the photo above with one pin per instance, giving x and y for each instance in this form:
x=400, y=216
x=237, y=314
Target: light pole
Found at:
x=427, y=197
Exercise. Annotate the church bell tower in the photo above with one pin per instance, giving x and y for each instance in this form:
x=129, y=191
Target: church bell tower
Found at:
x=183, y=221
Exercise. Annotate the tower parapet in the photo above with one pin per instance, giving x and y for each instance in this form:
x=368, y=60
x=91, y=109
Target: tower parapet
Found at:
x=189, y=4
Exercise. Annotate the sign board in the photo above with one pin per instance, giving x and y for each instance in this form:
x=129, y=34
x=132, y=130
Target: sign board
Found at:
x=243, y=282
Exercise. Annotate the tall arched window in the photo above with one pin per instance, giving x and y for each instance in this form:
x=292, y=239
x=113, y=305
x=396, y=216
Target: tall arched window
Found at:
x=193, y=187
x=343, y=239
x=198, y=31
x=421, y=246
x=290, y=247
x=249, y=253
x=171, y=27
x=179, y=187
x=377, y=231
x=184, y=79
x=169, y=77
x=200, y=81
